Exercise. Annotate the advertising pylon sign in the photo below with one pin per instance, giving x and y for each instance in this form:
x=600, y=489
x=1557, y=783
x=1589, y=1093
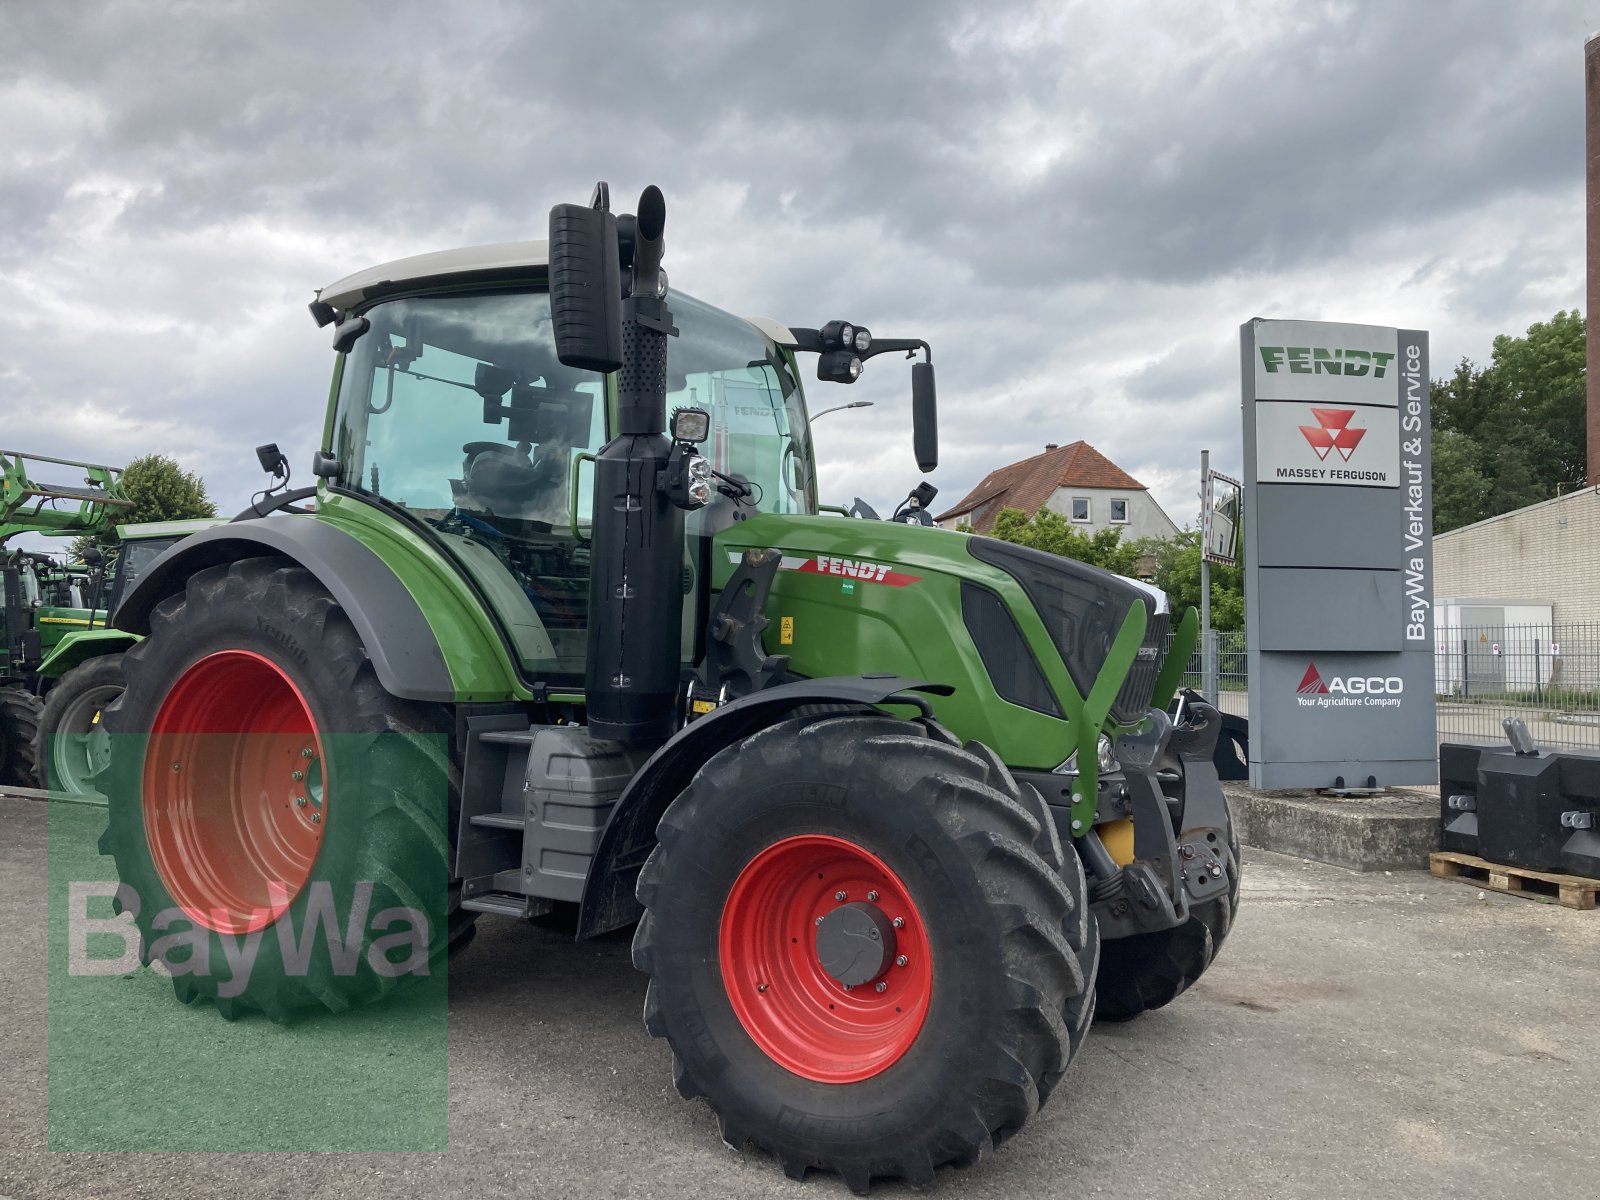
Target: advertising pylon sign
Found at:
x=1338, y=534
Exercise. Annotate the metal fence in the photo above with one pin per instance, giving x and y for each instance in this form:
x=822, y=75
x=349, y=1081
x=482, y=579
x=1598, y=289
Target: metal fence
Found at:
x=1549, y=675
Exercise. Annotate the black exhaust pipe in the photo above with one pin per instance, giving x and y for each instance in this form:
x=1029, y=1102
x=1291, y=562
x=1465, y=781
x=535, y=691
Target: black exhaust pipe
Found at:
x=636, y=572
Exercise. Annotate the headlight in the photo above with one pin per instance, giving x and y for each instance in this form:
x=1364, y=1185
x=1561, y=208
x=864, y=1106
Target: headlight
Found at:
x=855, y=368
x=863, y=339
x=1105, y=760
x=699, y=480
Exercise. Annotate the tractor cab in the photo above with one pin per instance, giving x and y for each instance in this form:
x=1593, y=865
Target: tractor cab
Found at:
x=453, y=408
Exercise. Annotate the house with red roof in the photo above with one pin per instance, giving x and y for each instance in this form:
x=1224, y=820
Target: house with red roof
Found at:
x=1075, y=480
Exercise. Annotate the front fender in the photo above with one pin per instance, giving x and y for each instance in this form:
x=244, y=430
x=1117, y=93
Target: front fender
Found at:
x=403, y=648
x=630, y=833
x=80, y=646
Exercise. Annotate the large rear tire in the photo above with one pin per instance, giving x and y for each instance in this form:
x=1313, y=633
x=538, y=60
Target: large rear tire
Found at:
x=71, y=744
x=261, y=779
x=863, y=848
x=1150, y=970
x=19, y=726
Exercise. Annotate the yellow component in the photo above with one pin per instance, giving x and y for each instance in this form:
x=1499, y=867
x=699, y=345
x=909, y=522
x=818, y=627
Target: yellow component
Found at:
x=785, y=631
x=1118, y=839
x=702, y=707
x=63, y=621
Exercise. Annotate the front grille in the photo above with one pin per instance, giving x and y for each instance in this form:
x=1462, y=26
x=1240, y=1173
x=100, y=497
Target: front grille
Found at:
x=1134, y=698
x=1083, y=607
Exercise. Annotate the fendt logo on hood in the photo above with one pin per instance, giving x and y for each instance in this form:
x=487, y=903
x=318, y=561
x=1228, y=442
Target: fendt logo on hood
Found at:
x=1332, y=432
x=1380, y=691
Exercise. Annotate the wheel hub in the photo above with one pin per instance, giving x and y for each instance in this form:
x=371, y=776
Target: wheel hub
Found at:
x=855, y=943
x=825, y=958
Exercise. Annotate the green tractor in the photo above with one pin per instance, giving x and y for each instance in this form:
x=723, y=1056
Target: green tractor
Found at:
x=81, y=673
x=567, y=629
x=41, y=600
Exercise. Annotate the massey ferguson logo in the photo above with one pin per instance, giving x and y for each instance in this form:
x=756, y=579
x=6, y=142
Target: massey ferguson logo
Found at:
x=1332, y=432
x=1340, y=691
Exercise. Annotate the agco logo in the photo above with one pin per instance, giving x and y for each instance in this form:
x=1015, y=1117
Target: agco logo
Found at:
x=1315, y=360
x=1382, y=691
x=1332, y=432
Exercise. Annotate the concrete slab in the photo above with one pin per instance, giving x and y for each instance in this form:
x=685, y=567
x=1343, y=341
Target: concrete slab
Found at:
x=1392, y=831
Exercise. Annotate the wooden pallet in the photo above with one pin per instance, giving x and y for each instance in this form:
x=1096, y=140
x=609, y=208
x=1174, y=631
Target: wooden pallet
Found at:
x=1569, y=891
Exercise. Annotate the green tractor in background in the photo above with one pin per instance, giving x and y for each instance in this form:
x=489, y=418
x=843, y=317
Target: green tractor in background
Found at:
x=567, y=629
x=82, y=672
x=43, y=601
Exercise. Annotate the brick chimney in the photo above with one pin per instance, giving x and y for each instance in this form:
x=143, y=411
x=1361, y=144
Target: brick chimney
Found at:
x=1591, y=140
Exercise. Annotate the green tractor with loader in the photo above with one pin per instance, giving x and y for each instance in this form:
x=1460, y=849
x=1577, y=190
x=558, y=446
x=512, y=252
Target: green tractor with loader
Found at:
x=43, y=601
x=567, y=629
x=81, y=672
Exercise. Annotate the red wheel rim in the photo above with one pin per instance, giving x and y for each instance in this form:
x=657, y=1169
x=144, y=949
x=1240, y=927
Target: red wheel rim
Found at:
x=235, y=801
x=800, y=1016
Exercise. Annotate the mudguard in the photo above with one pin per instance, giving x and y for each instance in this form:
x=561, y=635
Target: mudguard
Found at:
x=404, y=651
x=630, y=833
x=80, y=646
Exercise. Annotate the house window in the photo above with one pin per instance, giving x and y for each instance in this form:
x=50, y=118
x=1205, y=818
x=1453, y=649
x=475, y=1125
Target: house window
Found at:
x=1080, y=508
x=1119, y=512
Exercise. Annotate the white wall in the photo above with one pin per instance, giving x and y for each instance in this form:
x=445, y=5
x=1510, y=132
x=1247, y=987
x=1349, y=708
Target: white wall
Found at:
x=1145, y=518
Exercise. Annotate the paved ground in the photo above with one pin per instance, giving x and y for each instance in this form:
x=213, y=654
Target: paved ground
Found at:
x=1364, y=1036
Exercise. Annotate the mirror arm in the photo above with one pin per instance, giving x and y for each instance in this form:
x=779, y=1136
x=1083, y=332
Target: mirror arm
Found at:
x=888, y=345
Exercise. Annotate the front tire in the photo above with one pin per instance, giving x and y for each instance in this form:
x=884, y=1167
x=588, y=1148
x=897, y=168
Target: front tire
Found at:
x=1150, y=970
x=19, y=726
x=963, y=947
x=71, y=744
x=262, y=781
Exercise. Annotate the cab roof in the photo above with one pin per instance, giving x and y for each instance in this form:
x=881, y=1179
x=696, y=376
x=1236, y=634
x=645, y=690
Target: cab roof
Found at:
x=499, y=260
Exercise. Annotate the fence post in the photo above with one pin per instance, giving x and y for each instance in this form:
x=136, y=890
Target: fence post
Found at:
x=1466, y=671
x=1538, y=672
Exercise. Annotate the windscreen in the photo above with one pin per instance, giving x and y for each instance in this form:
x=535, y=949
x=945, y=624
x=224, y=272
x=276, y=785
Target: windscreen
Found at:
x=455, y=407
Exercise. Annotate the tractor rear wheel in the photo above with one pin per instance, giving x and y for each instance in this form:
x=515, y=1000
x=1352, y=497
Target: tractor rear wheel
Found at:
x=261, y=781
x=1150, y=970
x=19, y=726
x=857, y=951
x=71, y=744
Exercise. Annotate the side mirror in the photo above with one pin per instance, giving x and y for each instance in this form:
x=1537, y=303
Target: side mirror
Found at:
x=92, y=556
x=586, y=284
x=347, y=333
x=924, y=417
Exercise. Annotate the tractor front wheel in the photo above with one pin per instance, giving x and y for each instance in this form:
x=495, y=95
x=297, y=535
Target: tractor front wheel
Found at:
x=1150, y=970
x=859, y=949
x=72, y=744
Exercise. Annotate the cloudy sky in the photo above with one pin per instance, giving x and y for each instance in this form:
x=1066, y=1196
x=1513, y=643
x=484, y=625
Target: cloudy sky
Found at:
x=1077, y=204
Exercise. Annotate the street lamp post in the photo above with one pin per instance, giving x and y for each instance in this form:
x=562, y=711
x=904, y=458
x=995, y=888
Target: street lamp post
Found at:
x=841, y=408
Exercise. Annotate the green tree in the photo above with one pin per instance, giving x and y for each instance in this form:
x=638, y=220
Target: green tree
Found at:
x=160, y=490
x=1460, y=488
x=1512, y=433
x=1051, y=532
x=1178, y=575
